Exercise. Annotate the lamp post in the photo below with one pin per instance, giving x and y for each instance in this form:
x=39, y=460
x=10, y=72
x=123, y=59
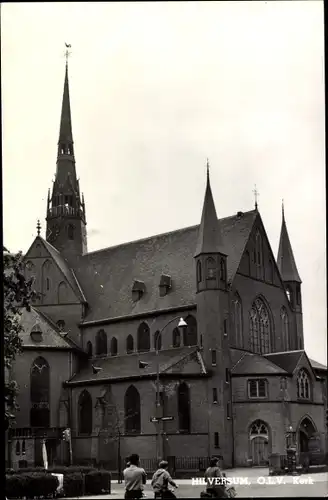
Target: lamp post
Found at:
x=181, y=324
x=291, y=450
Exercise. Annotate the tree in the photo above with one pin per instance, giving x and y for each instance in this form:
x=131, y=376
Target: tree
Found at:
x=18, y=294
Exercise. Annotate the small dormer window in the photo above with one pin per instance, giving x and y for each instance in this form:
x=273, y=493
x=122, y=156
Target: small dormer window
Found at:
x=36, y=333
x=138, y=290
x=165, y=284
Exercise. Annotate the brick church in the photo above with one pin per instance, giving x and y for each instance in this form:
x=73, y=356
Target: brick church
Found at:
x=105, y=350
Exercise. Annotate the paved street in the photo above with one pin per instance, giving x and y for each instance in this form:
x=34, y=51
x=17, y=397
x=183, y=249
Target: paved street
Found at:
x=259, y=484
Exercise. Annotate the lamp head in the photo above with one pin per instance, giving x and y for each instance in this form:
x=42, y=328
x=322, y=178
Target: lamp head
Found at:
x=182, y=323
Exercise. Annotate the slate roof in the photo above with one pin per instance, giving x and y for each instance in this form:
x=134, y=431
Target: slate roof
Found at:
x=317, y=366
x=286, y=360
x=106, y=276
x=253, y=364
x=128, y=365
x=285, y=260
x=65, y=269
x=51, y=338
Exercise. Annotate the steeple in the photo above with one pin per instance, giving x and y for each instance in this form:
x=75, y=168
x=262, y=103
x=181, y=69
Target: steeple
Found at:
x=66, y=222
x=209, y=237
x=286, y=262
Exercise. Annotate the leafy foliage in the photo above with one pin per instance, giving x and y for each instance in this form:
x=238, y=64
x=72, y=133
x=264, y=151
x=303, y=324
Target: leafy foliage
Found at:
x=18, y=294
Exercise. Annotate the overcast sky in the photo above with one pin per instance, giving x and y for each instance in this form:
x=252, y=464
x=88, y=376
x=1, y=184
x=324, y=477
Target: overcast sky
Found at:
x=155, y=89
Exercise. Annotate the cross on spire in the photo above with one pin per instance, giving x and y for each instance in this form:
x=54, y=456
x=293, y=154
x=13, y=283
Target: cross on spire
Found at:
x=67, y=52
x=256, y=195
x=283, y=209
x=38, y=227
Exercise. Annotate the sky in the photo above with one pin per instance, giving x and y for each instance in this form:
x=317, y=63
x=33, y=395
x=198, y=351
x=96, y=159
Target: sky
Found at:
x=156, y=88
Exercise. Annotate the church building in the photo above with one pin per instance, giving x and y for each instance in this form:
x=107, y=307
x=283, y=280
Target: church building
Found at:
x=182, y=345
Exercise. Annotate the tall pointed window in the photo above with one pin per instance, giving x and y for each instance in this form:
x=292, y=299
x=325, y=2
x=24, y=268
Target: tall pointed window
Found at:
x=129, y=344
x=70, y=232
x=258, y=256
x=238, y=321
x=101, y=343
x=113, y=346
x=210, y=269
x=143, y=339
x=190, y=331
x=62, y=292
x=284, y=329
x=303, y=385
x=176, y=337
x=132, y=416
x=259, y=328
x=89, y=349
x=184, y=408
x=40, y=393
x=199, y=272
x=223, y=271
x=157, y=341
x=85, y=413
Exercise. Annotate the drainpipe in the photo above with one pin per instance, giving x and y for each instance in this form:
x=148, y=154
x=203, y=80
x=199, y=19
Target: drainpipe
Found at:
x=230, y=380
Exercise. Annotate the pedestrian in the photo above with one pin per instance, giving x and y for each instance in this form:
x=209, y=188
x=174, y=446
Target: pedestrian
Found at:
x=134, y=477
x=161, y=480
x=215, y=480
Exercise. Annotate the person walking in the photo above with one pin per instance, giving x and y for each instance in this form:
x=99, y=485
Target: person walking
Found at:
x=215, y=480
x=161, y=480
x=134, y=477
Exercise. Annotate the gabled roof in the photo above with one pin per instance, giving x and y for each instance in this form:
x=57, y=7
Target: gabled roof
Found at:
x=255, y=364
x=317, y=366
x=107, y=276
x=51, y=338
x=286, y=360
x=128, y=366
x=285, y=260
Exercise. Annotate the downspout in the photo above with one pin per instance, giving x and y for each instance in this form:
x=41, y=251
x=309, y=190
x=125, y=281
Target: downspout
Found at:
x=231, y=400
x=70, y=407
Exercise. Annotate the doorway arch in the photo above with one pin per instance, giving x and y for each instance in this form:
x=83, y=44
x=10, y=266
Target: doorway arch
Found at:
x=307, y=436
x=259, y=443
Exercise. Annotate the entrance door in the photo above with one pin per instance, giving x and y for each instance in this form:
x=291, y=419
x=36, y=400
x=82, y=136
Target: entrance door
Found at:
x=260, y=451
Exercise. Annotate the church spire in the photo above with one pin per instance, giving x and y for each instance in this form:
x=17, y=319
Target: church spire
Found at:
x=209, y=238
x=286, y=262
x=65, y=131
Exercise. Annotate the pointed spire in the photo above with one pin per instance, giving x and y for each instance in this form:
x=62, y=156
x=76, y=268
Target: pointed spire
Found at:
x=38, y=227
x=285, y=260
x=209, y=238
x=65, y=131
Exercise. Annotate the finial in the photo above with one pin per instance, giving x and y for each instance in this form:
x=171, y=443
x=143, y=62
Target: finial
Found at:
x=282, y=208
x=38, y=227
x=256, y=194
x=208, y=168
x=67, y=53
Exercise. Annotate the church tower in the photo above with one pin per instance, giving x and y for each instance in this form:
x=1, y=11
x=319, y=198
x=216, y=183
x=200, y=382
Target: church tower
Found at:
x=66, y=221
x=292, y=281
x=213, y=323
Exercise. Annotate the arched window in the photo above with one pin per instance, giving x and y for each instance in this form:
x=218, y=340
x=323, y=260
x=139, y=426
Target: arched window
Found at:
x=132, y=410
x=143, y=338
x=23, y=447
x=85, y=413
x=62, y=292
x=199, y=272
x=89, y=349
x=223, y=270
x=46, y=269
x=184, y=408
x=258, y=255
x=129, y=344
x=190, y=331
x=210, y=269
x=303, y=385
x=40, y=393
x=70, y=231
x=259, y=443
x=289, y=295
x=157, y=341
x=101, y=343
x=284, y=329
x=259, y=328
x=176, y=337
x=298, y=295
x=113, y=346
x=238, y=321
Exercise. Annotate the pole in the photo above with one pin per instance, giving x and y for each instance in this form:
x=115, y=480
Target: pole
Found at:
x=158, y=423
x=119, y=457
x=70, y=449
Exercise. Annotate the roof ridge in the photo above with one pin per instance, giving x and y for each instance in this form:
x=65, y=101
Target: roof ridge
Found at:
x=284, y=352
x=181, y=359
x=174, y=231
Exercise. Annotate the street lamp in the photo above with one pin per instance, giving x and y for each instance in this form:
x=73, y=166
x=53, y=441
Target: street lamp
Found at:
x=181, y=324
x=291, y=450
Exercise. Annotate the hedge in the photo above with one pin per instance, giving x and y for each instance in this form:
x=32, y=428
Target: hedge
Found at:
x=97, y=482
x=73, y=484
x=30, y=485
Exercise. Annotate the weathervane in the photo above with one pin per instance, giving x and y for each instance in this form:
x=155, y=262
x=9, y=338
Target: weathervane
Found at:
x=38, y=227
x=256, y=194
x=67, y=53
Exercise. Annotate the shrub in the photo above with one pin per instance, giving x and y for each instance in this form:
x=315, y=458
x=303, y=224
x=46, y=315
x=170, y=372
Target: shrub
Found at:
x=30, y=485
x=97, y=482
x=71, y=469
x=73, y=484
x=10, y=471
